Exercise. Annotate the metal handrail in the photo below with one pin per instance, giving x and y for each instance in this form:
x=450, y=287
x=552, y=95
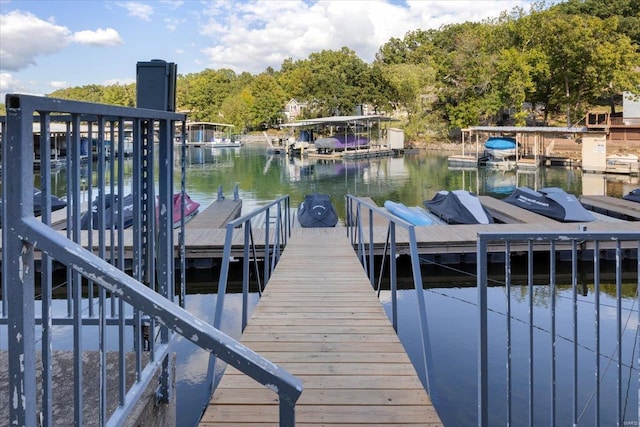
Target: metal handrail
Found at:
x=271, y=254
x=365, y=249
x=593, y=244
x=150, y=292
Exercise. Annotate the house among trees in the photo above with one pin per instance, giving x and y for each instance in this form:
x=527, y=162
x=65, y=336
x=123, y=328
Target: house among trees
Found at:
x=621, y=127
x=293, y=109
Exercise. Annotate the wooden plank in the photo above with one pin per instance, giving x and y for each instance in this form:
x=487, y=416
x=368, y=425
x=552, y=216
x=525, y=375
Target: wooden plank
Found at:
x=612, y=206
x=510, y=214
x=327, y=327
x=216, y=215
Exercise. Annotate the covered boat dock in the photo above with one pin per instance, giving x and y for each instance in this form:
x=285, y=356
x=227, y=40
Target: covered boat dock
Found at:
x=535, y=144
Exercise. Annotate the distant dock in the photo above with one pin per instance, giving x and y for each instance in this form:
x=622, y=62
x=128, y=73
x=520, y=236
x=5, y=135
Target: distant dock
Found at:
x=205, y=234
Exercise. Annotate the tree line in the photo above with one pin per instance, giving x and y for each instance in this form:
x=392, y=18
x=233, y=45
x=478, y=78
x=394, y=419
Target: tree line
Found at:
x=544, y=63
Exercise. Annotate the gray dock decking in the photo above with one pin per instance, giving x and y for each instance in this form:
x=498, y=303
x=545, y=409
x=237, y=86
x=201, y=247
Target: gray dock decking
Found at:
x=320, y=319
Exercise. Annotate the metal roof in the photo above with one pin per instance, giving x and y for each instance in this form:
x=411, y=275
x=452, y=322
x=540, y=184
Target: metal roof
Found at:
x=527, y=129
x=340, y=120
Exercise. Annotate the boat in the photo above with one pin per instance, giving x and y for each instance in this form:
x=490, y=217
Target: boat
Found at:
x=413, y=216
x=622, y=163
x=341, y=143
x=112, y=217
x=501, y=147
x=552, y=202
x=458, y=207
x=111, y=213
x=316, y=211
x=633, y=195
x=208, y=134
x=191, y=208
x=56, y=203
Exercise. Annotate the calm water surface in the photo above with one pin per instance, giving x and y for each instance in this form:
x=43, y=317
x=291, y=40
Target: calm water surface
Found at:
x=452, y=311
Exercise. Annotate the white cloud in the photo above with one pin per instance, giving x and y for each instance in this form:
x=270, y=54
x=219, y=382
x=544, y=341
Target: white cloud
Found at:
x=59, y=84
x=249, y=35
x=99, y=37
x=172, y=23
x=20, y=48
x=139, y=10
x=7, y=82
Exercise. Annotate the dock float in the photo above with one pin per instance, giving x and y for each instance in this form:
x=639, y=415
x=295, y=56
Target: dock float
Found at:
x=320, y=319
x=612, y=206
x=217, y=214
x=509, y=214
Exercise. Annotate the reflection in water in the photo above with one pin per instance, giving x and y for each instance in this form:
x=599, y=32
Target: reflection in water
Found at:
x=409, y=179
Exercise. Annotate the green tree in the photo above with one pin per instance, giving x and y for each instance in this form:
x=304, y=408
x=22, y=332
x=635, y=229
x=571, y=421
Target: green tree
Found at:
x=465, y=72
x=124, y=95
x=88, y=93
x=332, y=82
x=268, y=101
x=202, y=94
x=237, y=110
x=587, y=59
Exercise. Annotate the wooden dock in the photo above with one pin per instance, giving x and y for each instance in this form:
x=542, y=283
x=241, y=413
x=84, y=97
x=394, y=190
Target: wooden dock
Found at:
x=217, y=214
x=204, y=242
x=324, y=324
x=612, y=206
x=507, y=213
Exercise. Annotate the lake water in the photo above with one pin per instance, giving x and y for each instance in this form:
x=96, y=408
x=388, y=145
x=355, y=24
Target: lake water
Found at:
x=451, y=297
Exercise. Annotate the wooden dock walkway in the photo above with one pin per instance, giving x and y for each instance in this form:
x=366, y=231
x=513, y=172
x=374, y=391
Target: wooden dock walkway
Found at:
x=320, y=319
x=217, y=214
x=507, y=213
x=612, y=206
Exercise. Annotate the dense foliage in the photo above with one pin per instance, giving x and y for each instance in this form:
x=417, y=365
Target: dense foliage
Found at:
x=522, y=67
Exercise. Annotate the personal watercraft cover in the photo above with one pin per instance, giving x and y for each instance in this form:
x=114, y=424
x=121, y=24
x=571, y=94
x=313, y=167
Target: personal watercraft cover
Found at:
x=552, y=202
x=410, y=215
x=341, y=142
x=458, y=207
x=111, y=215
x=317, y=211
x=633, y=195
x=56, y=203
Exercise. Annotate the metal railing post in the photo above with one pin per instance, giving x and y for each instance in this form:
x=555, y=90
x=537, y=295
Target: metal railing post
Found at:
x=16, y=254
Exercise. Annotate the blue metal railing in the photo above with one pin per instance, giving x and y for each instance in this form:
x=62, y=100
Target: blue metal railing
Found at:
x=275, y=237
x=598, y=248
x=94, y=261
x=362, y=237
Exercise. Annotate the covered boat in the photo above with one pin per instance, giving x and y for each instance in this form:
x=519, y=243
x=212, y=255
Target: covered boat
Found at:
x=501, y=147
x=552, y=202
x=190, y=208
x=458, y=207
x=56, y=203
x=633, y=195
x=316, y=210
x=411, y=215
x=111, y=213
x=341, y=143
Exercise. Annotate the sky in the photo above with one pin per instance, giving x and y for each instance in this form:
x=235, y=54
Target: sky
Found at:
x=47, y=45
